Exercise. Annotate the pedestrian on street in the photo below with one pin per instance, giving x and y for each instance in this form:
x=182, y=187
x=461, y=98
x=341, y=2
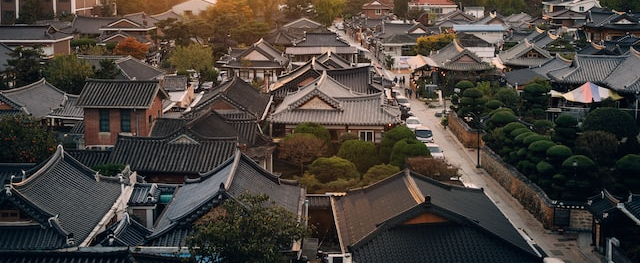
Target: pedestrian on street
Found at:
x=402, y=81
x=395, y=79
x=410, y=92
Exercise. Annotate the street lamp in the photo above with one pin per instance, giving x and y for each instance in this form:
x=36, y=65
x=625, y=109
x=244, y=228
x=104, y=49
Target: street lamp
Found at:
x=469, y=118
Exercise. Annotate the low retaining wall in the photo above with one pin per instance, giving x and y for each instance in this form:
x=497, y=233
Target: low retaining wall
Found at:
x=552, y=214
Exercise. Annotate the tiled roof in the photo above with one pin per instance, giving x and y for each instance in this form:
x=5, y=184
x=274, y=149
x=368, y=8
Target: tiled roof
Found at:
x=449, y=58
x=609, y=19
x=143, y=191
x=39, y=98
x=517, y=55
x=86, y=255
x=587, y=68
x=259, y=55
x=302, y=23
x=280, y=37
x=632, y=207
x=319, y=201
x=130, y=67
x=64, y=191
x=358, y=79
x=479, y=28
x=603, y=206
x=342, y=106
x=30, y=237
x=67, y=109
x=129, y=94
x=332, y=61
x=86, y=25
x=626, y=76
x=329, y=39
x=397, y=39
x=174, y=83
x=212, y=125
x=182, y=152
x=32, y=33
x=441, y=243
x=90, y=158
x=127, y=232
x=366, y=213
x=237, y=175
x=238, y=93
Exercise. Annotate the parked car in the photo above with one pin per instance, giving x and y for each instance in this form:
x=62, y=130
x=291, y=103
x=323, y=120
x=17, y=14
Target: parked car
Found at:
x=404, y=102
x=435, y=150
x=412, y=123
x=424, y=134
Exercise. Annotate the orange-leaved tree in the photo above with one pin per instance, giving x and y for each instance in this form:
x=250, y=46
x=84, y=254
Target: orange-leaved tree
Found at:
x=131, y=46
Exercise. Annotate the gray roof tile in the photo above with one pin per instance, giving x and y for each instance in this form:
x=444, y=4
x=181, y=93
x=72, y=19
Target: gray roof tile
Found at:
x=129, y=94
x=40, y=98
x=31, y=33
x=238, y=93
x=380, y=207
x=65, y=189
x=448, y=58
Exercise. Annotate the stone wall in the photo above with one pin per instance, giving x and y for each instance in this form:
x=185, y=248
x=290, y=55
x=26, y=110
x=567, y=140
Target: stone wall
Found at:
x=532, y=197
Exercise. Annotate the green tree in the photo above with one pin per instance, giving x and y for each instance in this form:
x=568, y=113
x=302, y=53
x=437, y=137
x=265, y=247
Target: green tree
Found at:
x=406, y=148
x=601, y=146
x=125, y=7
x=24, y=67
x=426, y=44
x=107, y=70
x=301, y=149
x=295, y=9
x=612, y=120
x=471, y=101
x=627, y=175
x=328, y=169
x=353, y=7
x=328, y=10
x=184, y=32
x=508, y=96
x=566, y=130
x=361, y=153
x=194, y=56
x=24, y=140
x=377, y=173
x=31, y=11
x=131, y=47
x=414, y=13
x=67, y=73
x=437, y=169
x=250, y=228
x=316, y=129
x=400, y=7
x=390, y=138
x=536, y=99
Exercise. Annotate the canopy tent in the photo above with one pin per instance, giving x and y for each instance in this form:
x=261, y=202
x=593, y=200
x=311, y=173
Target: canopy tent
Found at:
x=556, y=94
x=417, y=61
x=590, y=92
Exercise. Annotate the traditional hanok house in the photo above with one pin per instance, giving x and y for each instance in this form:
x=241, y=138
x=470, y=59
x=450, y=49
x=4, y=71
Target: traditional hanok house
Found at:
x=435, y=7
x=603, y=24
x=616, y=47
x=243, y=129
x=327, y=102
x=376, y=9
x=445, y=23
x=197, y=197
x=60, y=204
x=576, y=5
x=315, y=44
x=454, y=63
x=523, y=55
x=520, y=77
x=360, y=79
x=492, y=33
x=411, y=218
x=519, y=21
x=128, y=67
x=398, y=40
x=171, y=158
x=51, y=40
x=42, y=101
x=615, y=226
x=565, y=18
x=181, y=93
x=137, y=25
x=119, y=107
x=258, y=62
x=303, y=25
x=280, y=38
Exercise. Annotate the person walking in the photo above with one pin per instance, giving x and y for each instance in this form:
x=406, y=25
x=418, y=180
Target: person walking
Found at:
x=410, y=91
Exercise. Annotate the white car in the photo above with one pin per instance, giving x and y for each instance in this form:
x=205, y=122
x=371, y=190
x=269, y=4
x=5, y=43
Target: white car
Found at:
x=412, y=123
x=435, y=150
x=404, y=102
x=424, y=134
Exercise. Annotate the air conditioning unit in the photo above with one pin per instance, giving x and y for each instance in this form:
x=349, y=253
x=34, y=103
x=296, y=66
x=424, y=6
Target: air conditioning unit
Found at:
x=339, y=258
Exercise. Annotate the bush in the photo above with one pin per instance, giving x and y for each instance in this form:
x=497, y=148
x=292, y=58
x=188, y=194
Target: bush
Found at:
x=332, y=168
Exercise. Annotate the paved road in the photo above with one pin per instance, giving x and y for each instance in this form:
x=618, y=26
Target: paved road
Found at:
x=570, y=248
